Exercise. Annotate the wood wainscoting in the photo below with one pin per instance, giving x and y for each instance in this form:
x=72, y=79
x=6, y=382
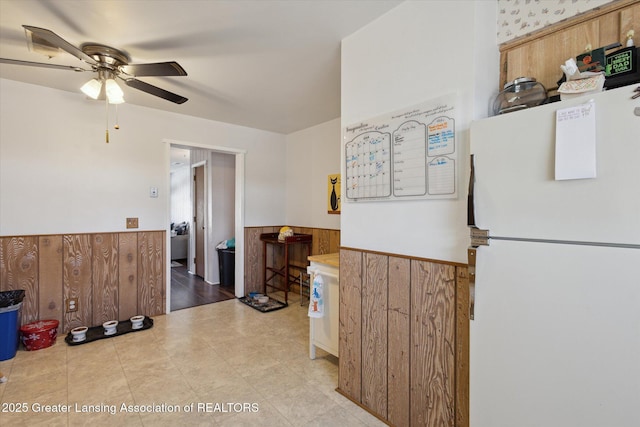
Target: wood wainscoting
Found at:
x=112, y=275
x=325, y=241
x=404, y=338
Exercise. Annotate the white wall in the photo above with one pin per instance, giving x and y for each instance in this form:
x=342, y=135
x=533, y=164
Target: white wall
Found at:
x=222, y=205
x=414, y=53
x=57, y=174
x=180, y=195
x=312, y=155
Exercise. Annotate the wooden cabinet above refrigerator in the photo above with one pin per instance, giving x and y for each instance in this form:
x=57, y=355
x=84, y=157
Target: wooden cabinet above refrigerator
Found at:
x=540, y=53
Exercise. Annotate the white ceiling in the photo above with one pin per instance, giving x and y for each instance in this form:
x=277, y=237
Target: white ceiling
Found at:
x=272, y=65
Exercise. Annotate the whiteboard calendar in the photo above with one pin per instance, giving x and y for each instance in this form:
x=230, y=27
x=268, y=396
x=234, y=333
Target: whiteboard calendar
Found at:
x=407, y=154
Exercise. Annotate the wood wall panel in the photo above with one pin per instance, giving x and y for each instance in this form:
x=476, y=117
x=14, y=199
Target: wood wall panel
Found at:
x=350, y=324
x=433, y=311
x=127, y=275
x=20, y=260
x=300, y=230
x=399, y=341
x=630, y=20
x=50, y=304
x=271, y=254
x=151, y=289
x=104, y=270
x=374, y=333
x=462, y=347
x=420, y=341
x=334, y=241
x=541, y=57
x=77, y=279
x=321, y=241
x=275, y=258
x=609, y=30
x=3, y=267
x=324, y=241
x=253, y=260
x=298, y=253
x=100, y=269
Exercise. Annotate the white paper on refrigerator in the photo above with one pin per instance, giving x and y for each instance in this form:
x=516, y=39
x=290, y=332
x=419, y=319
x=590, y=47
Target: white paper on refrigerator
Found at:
x=576, y=142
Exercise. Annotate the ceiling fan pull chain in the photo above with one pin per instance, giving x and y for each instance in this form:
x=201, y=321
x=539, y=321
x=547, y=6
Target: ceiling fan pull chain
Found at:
x=116, y=126
x=106, y=107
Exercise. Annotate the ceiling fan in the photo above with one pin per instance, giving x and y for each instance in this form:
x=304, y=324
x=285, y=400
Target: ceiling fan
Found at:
x=108, y=62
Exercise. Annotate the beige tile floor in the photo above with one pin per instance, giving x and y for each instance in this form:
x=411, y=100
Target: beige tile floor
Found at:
x=232, y=364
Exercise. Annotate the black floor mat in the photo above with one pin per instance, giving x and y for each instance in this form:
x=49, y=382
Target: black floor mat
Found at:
x=271, y=305
x=97, y=332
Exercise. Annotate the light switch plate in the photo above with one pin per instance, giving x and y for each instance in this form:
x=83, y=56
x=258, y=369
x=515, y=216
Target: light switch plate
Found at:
x=153, y=192
x=132, y=222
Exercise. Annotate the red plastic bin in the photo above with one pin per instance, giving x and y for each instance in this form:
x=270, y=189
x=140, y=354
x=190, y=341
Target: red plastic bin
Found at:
x=40, y=334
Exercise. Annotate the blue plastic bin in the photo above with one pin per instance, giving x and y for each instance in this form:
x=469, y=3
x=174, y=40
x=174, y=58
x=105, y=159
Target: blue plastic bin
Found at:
x=10, y=322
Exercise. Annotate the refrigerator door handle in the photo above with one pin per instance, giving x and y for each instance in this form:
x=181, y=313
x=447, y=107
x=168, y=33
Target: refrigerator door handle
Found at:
x=471, y=214
x=478, y=238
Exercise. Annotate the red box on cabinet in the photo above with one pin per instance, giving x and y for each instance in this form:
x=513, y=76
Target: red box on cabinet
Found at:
x=40, y=334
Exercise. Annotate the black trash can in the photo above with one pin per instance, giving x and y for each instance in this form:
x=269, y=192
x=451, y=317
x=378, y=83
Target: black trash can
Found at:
x=227, y=264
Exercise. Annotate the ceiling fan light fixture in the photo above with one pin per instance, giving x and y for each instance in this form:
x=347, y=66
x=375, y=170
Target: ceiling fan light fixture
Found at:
x=92, y=88
x=113, y=91
x=109, y=63
x=116, y=100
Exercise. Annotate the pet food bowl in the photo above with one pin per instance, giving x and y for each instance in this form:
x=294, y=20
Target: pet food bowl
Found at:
x=79, y=334
x=263, y=299
x=136, y=322
x=110, y=327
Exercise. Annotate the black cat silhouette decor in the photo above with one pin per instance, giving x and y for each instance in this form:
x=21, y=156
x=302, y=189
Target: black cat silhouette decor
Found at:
x=334, y=194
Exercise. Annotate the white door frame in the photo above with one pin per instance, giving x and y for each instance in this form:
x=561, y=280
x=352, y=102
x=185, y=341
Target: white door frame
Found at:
x=239, y=212
x=191, y=265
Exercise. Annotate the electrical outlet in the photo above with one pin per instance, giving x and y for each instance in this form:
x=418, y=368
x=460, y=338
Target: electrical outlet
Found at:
x=132, y=222
x=72, y=305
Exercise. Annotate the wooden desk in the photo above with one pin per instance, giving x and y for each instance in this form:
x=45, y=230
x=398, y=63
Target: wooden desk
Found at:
x=273, y=272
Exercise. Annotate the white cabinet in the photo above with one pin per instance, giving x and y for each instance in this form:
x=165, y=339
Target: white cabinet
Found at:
x=323, y=331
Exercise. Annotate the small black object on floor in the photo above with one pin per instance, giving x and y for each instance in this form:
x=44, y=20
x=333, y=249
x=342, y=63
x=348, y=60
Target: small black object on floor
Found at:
x=271, y=305
x=97, y=332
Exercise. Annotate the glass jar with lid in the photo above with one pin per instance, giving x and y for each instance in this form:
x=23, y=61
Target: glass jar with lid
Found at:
x=521, y=93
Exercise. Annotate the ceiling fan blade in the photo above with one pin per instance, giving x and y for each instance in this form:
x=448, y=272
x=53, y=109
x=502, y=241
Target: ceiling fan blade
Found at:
x=171, y=68
x=40, y=64
x=154, y=90
x=57, y=41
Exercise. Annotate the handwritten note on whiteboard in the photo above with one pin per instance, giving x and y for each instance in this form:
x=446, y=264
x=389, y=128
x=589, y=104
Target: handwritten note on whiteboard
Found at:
x=576, y=142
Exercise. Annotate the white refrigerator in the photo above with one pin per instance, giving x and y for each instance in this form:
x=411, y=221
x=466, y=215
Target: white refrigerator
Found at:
x=555, y=339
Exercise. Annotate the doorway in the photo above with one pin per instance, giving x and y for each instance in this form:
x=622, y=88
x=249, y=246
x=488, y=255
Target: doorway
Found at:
x=189, y=290
x=199, y=218
x=233, y=209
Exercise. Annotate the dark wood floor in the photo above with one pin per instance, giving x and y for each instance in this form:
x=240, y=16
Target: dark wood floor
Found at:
x=189, y=290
